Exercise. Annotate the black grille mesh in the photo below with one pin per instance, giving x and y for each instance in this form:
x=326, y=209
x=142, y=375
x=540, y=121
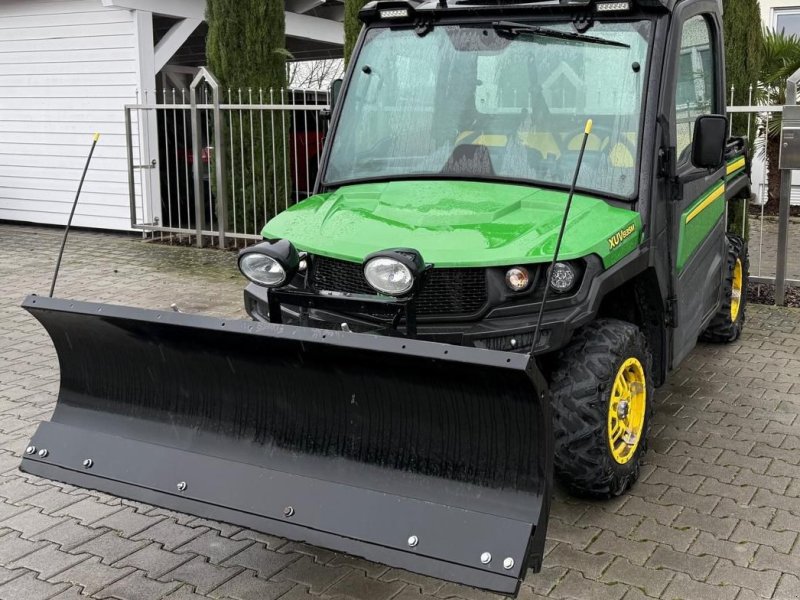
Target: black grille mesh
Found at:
x=447, y=292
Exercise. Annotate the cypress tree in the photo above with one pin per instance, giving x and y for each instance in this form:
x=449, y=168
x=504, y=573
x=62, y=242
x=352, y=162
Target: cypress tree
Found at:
x=352, y=26
x=246, y=51
x=743, y=57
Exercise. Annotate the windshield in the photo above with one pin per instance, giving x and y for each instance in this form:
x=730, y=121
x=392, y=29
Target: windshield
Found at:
x=480, y=102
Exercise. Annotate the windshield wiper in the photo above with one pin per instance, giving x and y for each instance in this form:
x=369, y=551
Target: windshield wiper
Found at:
x=521, y=28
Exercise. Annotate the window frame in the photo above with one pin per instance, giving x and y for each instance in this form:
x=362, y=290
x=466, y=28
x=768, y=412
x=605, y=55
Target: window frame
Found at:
x=717, y=84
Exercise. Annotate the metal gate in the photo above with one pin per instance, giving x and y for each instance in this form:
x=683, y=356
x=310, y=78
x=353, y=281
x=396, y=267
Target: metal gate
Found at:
x=225, y=161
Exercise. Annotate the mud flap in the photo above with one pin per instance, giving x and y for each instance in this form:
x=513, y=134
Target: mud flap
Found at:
x=428, y=457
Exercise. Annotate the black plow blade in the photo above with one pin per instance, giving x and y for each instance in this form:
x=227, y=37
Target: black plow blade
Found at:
x=428, y=457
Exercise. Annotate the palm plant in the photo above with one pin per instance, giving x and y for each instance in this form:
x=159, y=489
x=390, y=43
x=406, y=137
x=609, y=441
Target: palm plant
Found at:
x=781, y=58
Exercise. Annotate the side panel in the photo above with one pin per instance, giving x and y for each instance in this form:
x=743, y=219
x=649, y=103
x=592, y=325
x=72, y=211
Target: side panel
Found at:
x=698, y=221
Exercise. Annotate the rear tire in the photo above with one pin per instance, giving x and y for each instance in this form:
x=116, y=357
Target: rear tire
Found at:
x=727, y=324
x=591, y=457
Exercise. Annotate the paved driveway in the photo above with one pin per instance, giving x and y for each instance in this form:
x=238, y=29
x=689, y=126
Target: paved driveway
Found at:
x=715, y=516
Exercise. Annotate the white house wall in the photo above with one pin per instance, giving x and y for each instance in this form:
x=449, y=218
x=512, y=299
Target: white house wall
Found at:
x=67, y=67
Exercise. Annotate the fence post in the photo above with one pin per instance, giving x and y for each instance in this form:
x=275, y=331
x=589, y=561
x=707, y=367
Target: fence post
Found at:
x=199, y=212
x=219, y=162
x=785, y=207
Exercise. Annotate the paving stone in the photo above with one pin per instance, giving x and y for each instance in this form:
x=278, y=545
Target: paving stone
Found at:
x=782, y=541
x=652, y=581
x=17, y=488
x=761, y=582
x=578, y=537
x=202, y=575
x=739, y=493
x=788, y=587
x=214, y=546
x=677, y=537
x=246, y=586
x=765, y=498
x=697, y=567
x=91, y=575
x=573, y=586
x=636, y=551
x=261, y=560
x=408, y=593
x=48, y=561
x=51, y=499
x=137, y=587
x=74, y=592
x=317, y=578
x=685, y=588
x=9, y=574
x=270, y=541
x=771, y=482
x=719, y=526
x=224, y=529
x=110, y=547
x=128, y=522
x=664, y=514
x=727, y=508
x=320, y=555
x=31, y=522
x=371, y=569
x=170, y=534
x=597, y=517
x=27, y=587
x=153, y=560
x=590, y=565
x=741, y=553
x=68, y=534
x=12, y=547
x=544, y=581
x=704, y=504
x=88, y=510
x=186, y=592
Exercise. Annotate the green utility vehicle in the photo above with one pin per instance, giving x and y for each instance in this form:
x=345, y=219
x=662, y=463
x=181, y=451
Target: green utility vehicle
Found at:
x=453, y=144
x=481, y=292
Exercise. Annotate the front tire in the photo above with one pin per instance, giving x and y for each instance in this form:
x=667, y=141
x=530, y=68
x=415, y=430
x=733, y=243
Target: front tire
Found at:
x=727, y=324
x=602, y=393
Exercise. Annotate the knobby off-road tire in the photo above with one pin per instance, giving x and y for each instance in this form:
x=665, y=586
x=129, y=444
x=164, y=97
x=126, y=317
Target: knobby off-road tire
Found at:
x=582, y=385
x=727, y=324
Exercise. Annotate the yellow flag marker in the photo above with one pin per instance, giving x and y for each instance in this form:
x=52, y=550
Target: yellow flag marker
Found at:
x=589, y=125
x=96, y=136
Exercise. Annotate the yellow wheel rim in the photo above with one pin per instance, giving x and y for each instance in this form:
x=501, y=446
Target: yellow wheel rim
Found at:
x=736, y=290
x=626, y=410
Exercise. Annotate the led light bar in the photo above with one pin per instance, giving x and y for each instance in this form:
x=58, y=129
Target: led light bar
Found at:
x=394, y=13
x=612, y=6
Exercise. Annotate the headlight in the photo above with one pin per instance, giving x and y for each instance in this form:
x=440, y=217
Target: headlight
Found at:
x=271, y=264
x=262, y=269
x=518, y=279
x=388, y=276
x=563, y=277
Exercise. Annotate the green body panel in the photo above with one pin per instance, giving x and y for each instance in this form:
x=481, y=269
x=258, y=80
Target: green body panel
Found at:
x=457, y=223
x=698, y=220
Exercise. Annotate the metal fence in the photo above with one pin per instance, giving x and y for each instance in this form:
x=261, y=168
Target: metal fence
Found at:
x=213, y=165
x=770, y=260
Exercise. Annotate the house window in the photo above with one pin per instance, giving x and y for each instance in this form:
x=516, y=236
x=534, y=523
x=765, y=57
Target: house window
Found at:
x=787, y=20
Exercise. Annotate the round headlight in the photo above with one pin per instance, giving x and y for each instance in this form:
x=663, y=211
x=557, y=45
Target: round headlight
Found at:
x=563, y=277
x=388, y=276
x=262, y=269
x=517, y=279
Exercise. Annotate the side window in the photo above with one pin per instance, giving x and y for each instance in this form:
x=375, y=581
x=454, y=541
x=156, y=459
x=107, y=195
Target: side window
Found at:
x=694, y=94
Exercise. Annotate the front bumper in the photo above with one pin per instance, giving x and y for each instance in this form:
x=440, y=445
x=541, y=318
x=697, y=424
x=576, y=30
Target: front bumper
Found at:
x=513, y=334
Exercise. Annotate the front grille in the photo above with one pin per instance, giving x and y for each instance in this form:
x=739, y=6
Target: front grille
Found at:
x=447, y=292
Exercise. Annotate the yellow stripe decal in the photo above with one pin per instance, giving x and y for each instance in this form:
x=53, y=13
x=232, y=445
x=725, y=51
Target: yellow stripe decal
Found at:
x=736, y=165
x=704, y=204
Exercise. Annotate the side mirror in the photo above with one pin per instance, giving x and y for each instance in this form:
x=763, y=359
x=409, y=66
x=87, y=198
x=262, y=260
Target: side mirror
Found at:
x=710, y=137
x=336, y=87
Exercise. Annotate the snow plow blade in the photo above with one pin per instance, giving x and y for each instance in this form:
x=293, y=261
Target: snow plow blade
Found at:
x=429, y=457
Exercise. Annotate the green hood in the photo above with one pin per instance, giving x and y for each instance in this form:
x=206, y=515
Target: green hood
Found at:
x=456, y=223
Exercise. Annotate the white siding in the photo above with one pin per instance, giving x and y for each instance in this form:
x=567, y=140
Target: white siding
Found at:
x=67, y=68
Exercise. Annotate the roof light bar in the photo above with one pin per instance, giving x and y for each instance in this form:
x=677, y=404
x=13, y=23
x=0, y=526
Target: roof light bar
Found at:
x=394, y=13
x=612, y=6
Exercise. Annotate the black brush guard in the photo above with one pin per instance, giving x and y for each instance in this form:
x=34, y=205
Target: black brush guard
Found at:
x=424, y=456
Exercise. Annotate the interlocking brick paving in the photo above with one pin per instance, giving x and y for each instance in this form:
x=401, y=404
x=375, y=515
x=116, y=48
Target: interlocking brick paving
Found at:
x=716, y=514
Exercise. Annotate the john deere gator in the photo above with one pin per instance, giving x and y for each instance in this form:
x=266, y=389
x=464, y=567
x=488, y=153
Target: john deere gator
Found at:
x=396, y=395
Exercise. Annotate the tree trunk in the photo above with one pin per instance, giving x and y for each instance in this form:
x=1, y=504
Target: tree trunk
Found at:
x=773, y=174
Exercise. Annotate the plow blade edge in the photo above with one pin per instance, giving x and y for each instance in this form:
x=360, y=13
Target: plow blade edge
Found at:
x=429, y=457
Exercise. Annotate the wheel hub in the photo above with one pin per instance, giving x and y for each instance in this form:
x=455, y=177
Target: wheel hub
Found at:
x=627, y=410
x=737, y=284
